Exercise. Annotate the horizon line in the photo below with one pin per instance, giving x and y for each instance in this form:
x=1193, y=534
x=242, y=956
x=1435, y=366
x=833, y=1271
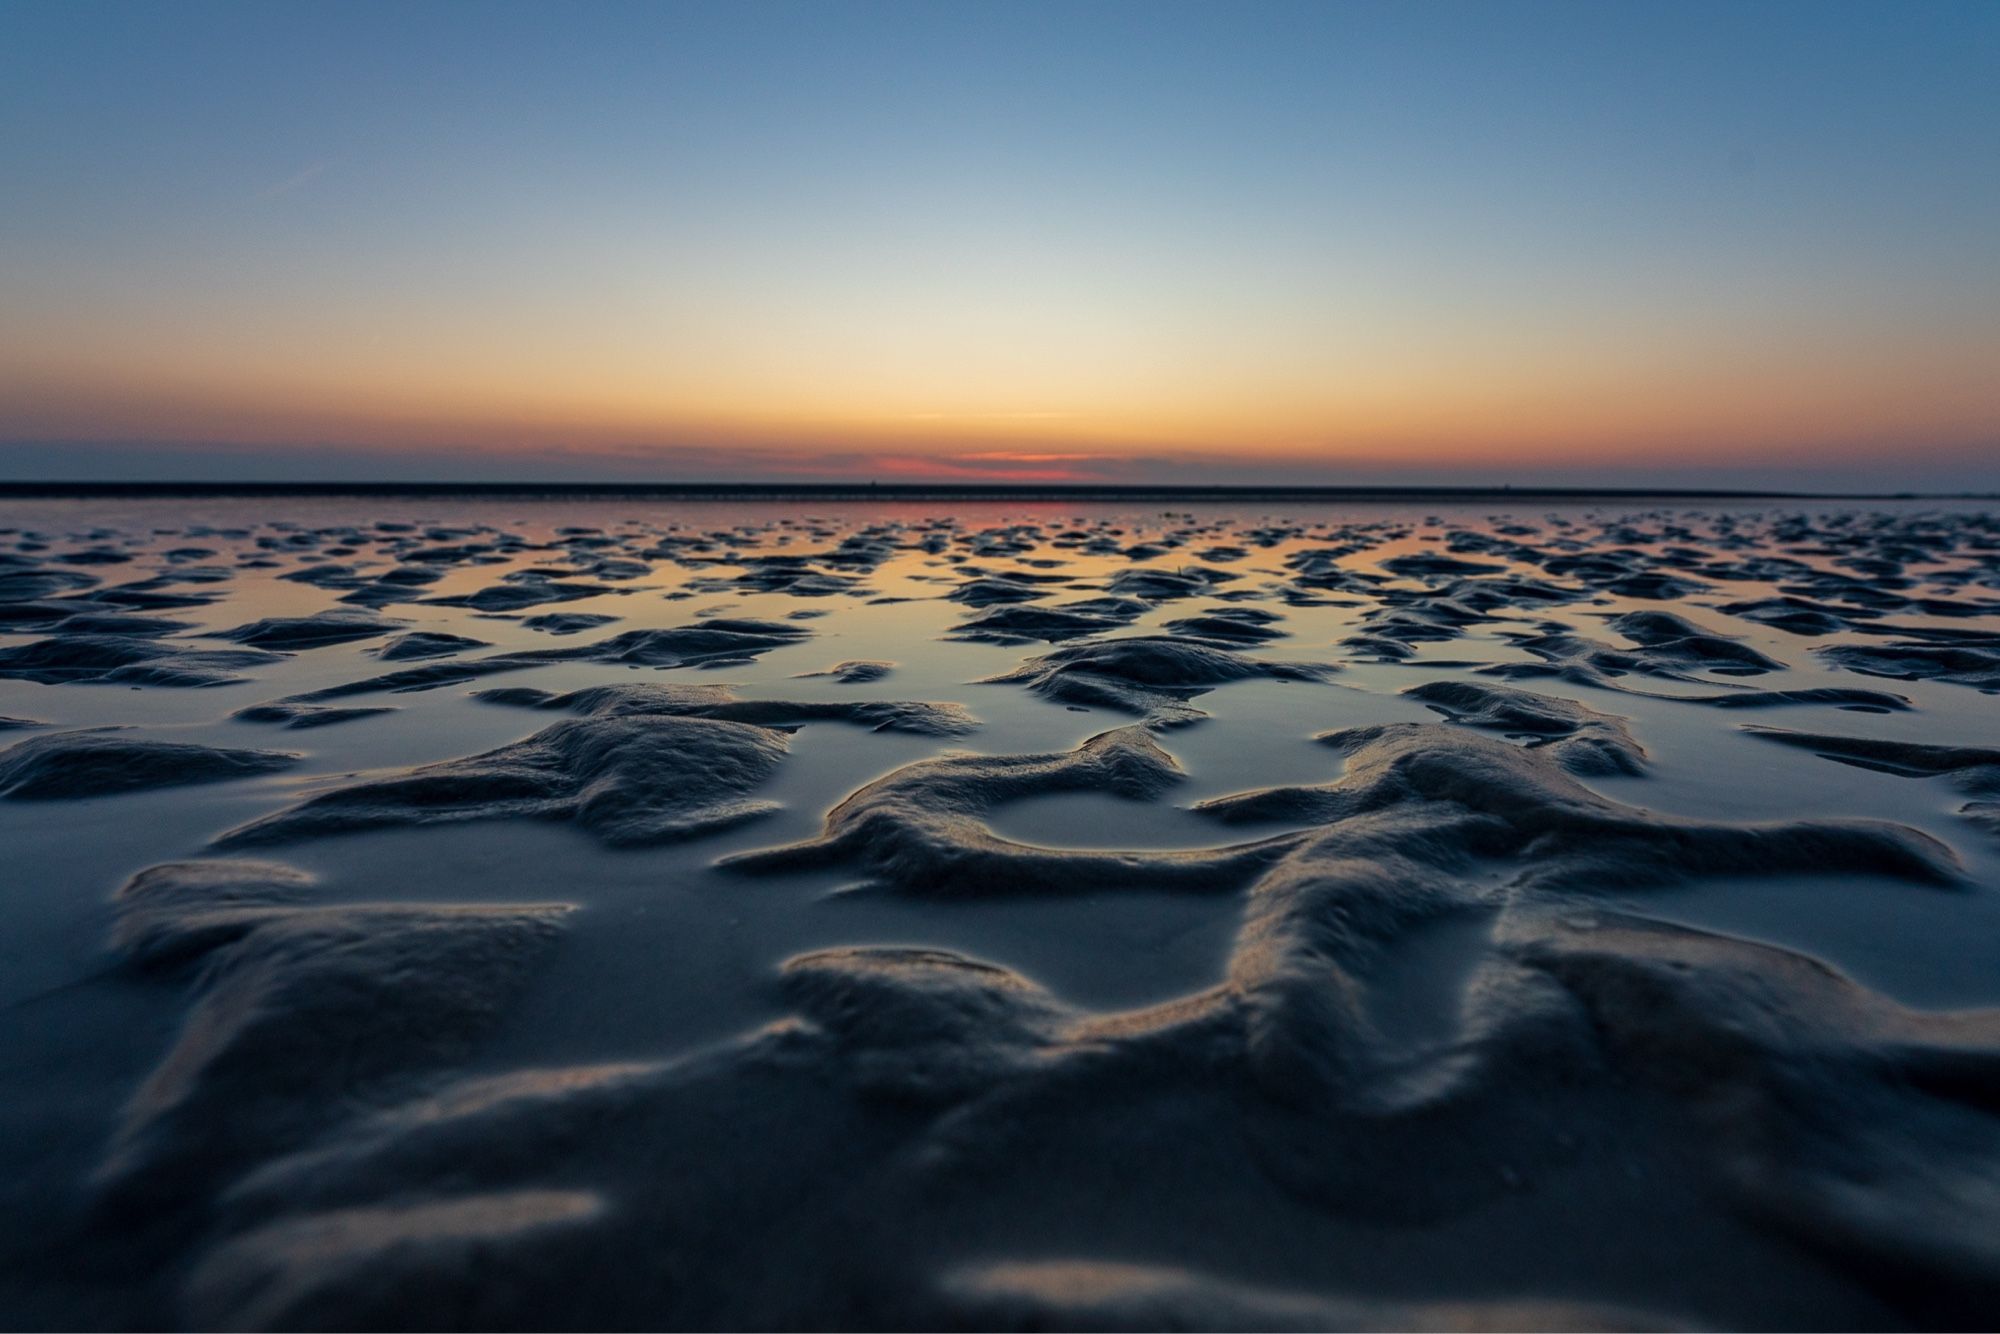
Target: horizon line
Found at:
x=80, y=489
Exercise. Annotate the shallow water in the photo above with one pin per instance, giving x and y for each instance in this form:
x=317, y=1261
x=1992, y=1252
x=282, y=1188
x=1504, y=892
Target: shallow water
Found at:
x=1632, y=1013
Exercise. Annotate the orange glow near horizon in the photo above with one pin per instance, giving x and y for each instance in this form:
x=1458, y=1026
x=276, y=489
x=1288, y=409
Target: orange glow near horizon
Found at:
x=1389, y=359
x=1386, y=359
x=1499, y=411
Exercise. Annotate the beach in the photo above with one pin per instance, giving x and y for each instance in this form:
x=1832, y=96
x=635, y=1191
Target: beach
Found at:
x=624, y=911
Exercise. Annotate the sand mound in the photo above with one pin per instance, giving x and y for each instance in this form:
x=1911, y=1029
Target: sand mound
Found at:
x=65, y=765
x=705, y=642
x=1515, y=798
x=1799, y=616
x=1839, y=697
x=1441, y=613
x=1578, y=737
x=300, y=1015
x=1976, y=766
x=1962, y=666
x=1155, y=585
x=1429, y=565
x=1674, y=639
x=1862, y=1129
x=629, y=780
x=919, y=830
x=1152, y=676
x=567, y=622
x=1974, y=770
x=123, y=660
x=1663, y=645
x=73, y=622
x=1303, y=1093
x=305, y=715
x=376, y=1266
x=291, y=633
x=1109, y=1295
x=421, y=644
x=859, y=671
x=169, y=914
x=990, y=590
x=1071, y=620
x=718, y=638
x=522, y=591
x=23, y=579
x=1229, y=626
x=704, y=701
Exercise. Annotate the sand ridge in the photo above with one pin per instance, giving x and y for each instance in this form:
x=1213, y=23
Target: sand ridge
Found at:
x=1463, y=1055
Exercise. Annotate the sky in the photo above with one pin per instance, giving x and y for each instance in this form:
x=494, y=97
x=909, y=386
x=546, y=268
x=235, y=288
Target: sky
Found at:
x=1488, y=243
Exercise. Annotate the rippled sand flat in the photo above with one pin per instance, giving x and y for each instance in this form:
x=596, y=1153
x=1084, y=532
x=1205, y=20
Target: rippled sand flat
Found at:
x=615, y=913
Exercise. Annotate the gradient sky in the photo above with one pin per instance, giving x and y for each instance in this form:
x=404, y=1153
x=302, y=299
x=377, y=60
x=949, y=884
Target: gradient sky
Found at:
x=1479, y=243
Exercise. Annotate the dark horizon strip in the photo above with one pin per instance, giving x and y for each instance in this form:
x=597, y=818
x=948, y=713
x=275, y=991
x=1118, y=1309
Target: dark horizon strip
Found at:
x=25, y=490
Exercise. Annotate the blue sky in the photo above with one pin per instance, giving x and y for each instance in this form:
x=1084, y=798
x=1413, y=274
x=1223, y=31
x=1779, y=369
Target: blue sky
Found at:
x=1370, y=241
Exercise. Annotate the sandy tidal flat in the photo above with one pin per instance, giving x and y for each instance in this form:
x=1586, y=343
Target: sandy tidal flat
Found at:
x=613, y=914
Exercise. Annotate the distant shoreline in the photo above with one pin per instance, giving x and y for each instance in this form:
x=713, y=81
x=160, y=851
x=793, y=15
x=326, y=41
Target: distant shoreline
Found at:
x=52, y=490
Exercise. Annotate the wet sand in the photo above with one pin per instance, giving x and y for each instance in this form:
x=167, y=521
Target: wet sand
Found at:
x=608, y=912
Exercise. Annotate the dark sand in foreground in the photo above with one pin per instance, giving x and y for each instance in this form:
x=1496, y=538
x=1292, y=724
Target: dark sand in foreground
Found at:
x=1008, y=914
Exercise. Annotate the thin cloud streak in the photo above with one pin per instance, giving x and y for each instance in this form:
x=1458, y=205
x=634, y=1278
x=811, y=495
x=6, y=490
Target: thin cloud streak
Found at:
x=304, y=176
